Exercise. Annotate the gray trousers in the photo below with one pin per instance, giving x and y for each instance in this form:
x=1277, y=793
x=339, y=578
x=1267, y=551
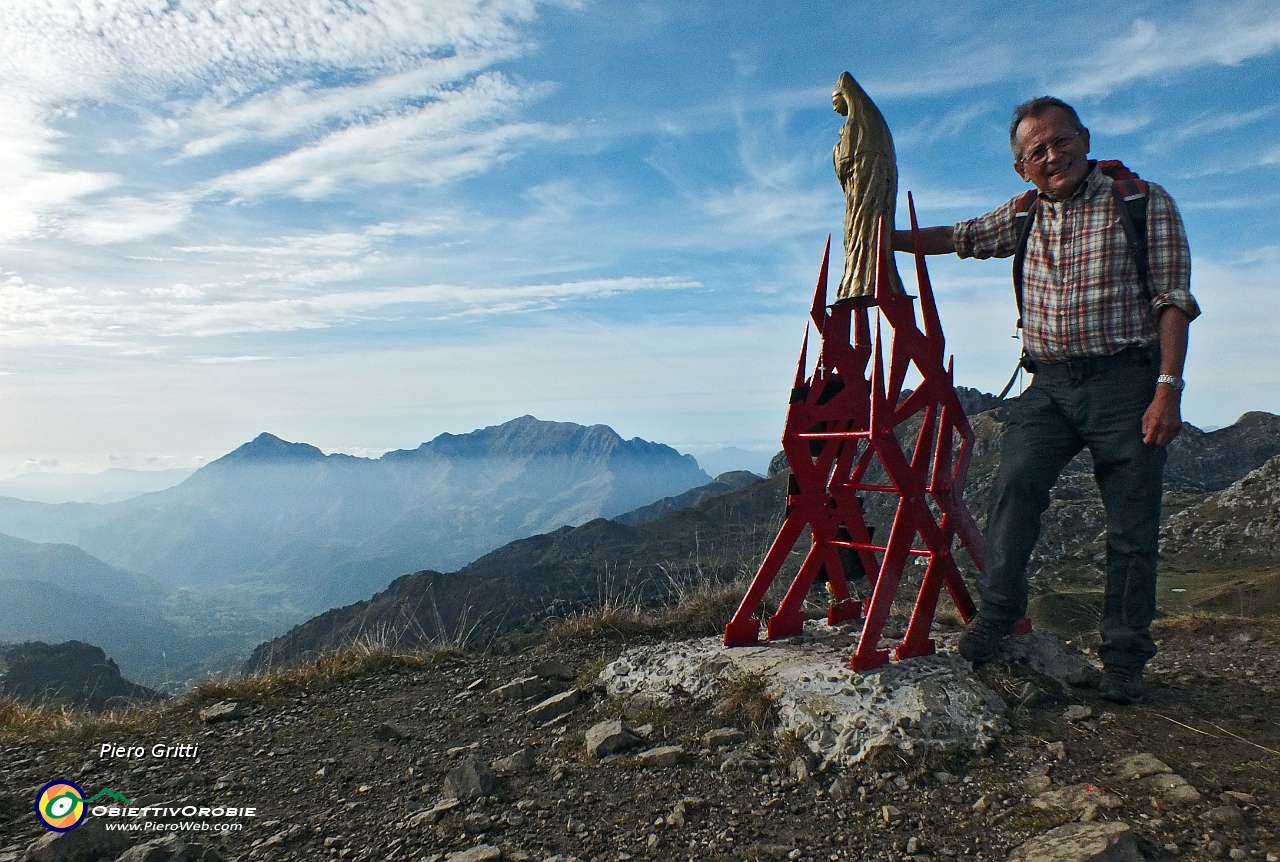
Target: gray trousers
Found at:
x=1097, y=403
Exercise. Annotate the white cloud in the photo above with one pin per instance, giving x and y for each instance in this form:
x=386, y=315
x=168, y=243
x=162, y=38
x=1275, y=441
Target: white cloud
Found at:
x=949, y=126
x=225, y=360
x=1122, y=123
x=322, y=94
x=443, y=140
x=32, y=315
x=1217, y=34
x=1221, y=122
x=124, y=218
x=70, y=50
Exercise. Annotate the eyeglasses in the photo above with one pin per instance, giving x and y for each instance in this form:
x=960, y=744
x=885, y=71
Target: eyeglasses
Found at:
x=1040, y=154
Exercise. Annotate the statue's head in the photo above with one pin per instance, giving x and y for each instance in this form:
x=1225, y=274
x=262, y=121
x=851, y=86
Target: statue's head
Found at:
x=842, y=96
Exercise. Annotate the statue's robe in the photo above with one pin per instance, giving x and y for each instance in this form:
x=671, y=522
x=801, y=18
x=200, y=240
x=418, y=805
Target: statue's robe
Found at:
x=868, y=170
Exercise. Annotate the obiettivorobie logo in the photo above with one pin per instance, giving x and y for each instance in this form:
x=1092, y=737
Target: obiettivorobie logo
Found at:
x=61, y=805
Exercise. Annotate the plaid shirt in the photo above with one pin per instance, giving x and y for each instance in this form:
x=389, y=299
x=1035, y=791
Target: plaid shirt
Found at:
x=1081, y=291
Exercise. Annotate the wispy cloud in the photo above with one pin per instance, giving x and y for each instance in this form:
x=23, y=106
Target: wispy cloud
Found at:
x=1215, y=34
x=950, y=126
x=296, y=100
x=442, y=140
x=35, y=315
x=1223, y=121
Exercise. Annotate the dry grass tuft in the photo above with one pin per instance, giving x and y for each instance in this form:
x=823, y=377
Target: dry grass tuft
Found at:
x=700, y=613
x=361, y=658
x=18, y=718
x=745, y=701
x=694, y=600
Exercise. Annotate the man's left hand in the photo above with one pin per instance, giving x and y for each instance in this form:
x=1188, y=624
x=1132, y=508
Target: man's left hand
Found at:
x=1163, y=419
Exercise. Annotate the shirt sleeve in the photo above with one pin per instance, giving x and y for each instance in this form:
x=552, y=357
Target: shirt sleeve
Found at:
x=992, y=235
x=1168, y=256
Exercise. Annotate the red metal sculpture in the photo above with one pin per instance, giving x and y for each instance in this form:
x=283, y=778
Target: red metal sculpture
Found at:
x=839, y=423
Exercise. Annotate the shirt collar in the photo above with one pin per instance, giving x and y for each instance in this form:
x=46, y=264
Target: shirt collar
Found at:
x=1093, y=183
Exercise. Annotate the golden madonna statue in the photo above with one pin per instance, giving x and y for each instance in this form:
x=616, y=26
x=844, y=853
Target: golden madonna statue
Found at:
x=868, y=172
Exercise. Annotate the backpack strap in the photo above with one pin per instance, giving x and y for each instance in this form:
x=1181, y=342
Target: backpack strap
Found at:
x=1024, y=217
x=1130, y=193
x=1131, y=202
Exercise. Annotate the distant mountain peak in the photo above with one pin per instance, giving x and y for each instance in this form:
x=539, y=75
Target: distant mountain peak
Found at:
x=270, y=448
x=523, y=436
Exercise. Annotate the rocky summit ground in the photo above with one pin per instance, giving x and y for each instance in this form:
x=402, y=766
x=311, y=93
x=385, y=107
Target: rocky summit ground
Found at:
x=465, y=757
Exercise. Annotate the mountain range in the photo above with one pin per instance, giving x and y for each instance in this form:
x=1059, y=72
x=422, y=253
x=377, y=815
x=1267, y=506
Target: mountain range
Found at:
x=724, y=536
x=108, y=486
x=188, y=579
x=276, y=531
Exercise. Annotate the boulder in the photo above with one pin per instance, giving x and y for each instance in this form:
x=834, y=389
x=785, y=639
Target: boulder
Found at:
x=88, y=842
x=554, y=706
x=470, y=779
x=1081, y=842
x=609, y=737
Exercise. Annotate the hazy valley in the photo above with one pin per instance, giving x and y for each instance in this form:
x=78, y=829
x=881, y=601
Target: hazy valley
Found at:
x=185, y=579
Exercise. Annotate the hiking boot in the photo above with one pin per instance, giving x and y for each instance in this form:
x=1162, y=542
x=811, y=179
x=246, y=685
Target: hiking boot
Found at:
x=981, y=640
x=1121, y=684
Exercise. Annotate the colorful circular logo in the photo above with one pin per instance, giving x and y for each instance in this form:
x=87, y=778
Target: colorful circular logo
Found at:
x=60, y=805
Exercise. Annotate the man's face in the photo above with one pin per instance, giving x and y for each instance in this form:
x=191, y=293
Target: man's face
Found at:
x=1052, y=153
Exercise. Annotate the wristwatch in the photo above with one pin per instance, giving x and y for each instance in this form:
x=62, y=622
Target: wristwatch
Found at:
x=1176, y=382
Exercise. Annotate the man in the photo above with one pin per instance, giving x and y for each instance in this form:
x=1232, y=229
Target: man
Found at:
x=1107, y=353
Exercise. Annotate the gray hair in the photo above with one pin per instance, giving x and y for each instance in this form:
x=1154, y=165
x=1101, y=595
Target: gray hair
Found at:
x=1036, y=107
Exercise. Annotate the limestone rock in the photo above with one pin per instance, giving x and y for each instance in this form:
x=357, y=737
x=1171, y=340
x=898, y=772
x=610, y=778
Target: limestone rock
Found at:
x=479, y=853
x=840, y=789
x=677, y=815
x=1036, y=783
x=554, y=706
x=721, y=736
x=1184, y=795
x=519, y=689
x=391, y=731
x=1171, y=787
x=431, y=815
x=1049, y=655
x=609, y=737
x=926, y=705
x=514, y=764
x=1081, y=842
x=800, y=769
x=1140, y=766
x=661, y=757
x=88, y=842
x=470, y=779
x=1076, y=797
x=1242, y=520
x=1225, y=816
x=743, y=761
x=640, y=703
x=223, y=710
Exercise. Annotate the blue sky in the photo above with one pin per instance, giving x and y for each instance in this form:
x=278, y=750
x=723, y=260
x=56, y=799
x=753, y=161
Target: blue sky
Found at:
x=360, y=224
